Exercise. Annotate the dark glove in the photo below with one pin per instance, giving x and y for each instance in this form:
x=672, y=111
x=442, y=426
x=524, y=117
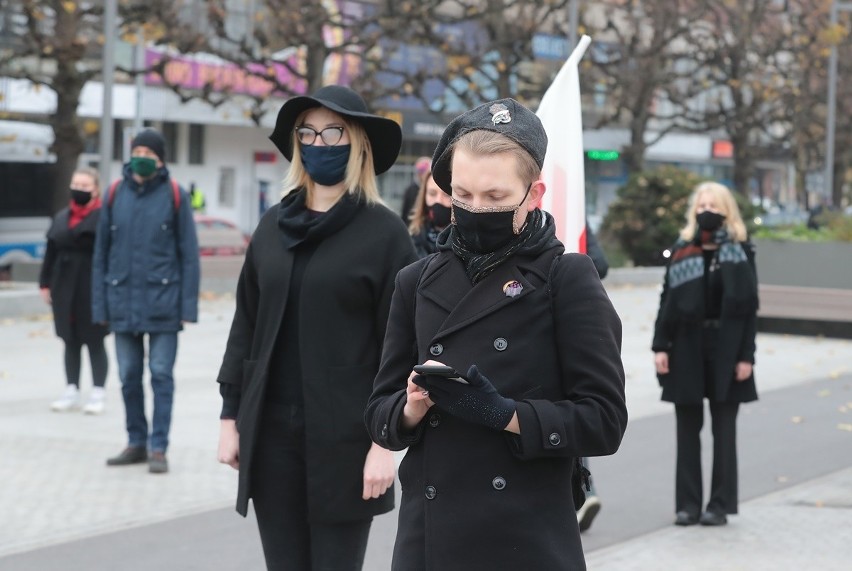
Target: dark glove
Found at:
x=477, y=402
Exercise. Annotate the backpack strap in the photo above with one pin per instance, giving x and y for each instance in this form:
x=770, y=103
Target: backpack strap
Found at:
x=175, y=193
x=112, y=188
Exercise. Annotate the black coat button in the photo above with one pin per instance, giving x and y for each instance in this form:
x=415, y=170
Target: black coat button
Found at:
x=500, y=344
x=431, y=492
x=554, y=439
x=499, y=483
x=436, y=349
x=385, y=431
x=435, y=420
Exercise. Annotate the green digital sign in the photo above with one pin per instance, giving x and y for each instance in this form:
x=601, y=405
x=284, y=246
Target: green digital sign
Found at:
x=602, y=155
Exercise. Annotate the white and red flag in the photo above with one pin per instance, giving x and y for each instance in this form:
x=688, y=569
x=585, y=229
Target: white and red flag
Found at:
x=561, y=115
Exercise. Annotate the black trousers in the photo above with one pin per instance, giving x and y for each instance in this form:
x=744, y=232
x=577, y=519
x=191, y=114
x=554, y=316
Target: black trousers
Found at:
x=723, y=485
x=97, y=357
x=279, y=496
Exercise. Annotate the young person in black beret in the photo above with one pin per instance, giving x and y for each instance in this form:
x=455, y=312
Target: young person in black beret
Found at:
x=312, y=307
x=485, y=481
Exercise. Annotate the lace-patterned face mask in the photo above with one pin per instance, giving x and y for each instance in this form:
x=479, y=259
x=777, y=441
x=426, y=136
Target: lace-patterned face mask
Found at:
x=487, y=228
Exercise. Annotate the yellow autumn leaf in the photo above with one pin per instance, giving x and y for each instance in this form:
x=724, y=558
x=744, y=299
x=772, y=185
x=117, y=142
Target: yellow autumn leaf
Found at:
x=69, y=6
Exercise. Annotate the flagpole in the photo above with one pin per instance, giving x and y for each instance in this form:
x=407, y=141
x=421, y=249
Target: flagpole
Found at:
x=562, y=172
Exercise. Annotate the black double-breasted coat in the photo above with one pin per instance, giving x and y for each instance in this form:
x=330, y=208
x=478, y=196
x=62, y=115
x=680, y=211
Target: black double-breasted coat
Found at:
x=475, y=498
x=67, y=271
x=343, y=307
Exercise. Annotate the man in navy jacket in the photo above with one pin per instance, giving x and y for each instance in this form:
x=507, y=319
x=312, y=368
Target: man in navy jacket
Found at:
x=145, y=276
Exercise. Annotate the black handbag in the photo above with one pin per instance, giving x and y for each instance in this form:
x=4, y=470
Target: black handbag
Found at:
x=581, y=482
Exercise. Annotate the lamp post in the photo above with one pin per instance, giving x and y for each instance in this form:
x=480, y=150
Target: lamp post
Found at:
x=110, y=17
x=573, y=17
x=139, y=63
x=832, y=101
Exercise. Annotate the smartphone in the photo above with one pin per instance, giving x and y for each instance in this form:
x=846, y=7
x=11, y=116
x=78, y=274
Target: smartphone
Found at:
x=440, y=371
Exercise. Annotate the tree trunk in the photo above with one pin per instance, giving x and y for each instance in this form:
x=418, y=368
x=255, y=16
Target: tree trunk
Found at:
x=839, y=179
x=504, y=82
x=634, y=153
x=68, y=84
x=315, y=62
x=743, y=165
x=801, y=189
x=68, y=140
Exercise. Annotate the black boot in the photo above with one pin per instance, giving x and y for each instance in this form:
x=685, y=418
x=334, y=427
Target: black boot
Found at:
x=130, y=455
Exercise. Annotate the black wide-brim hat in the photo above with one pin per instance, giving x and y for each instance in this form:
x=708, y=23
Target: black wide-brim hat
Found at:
x=385, y=134
x=504, y=116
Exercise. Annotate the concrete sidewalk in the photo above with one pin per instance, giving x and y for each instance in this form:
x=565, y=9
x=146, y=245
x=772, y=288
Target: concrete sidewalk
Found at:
x=801, y=528
x=56, y=487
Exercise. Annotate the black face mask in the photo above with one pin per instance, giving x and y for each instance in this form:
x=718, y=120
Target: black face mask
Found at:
x=439, y=215
x=80, y=197
x=486, y=230
x=709, y=221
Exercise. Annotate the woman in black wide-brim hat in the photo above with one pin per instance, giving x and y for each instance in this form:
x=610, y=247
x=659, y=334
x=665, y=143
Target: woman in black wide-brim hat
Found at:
x=305, y=343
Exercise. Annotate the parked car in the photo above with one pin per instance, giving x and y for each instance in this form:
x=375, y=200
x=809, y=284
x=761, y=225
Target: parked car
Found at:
x=219, y=237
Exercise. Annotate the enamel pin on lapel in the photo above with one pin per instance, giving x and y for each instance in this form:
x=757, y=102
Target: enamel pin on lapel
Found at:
x=513, y=288
x=500, y=114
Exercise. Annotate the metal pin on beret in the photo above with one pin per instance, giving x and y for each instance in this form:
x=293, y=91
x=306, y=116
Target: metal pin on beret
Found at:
x=504, y=116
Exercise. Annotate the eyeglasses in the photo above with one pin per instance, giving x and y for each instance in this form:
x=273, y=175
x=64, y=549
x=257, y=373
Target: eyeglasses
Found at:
x=330, y=135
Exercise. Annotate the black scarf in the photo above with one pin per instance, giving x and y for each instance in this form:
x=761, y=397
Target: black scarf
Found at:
x=538, y=235
x=299, y=225
x=685, y=298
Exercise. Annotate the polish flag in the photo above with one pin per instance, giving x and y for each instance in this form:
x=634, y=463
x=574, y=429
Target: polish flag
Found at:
x=562, y=172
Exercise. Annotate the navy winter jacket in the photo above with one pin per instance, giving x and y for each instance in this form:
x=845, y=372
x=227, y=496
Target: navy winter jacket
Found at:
x=145, y=270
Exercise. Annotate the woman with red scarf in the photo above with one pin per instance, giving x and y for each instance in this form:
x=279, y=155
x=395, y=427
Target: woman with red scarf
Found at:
x=66, y=284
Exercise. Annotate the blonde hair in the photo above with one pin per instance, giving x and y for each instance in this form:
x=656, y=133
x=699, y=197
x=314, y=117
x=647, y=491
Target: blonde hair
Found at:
x=418, y=212
x=360, y=178
x=484, y=142
x=727, y=206
x=89, y=171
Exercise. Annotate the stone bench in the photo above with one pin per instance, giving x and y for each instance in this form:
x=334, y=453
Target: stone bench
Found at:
x=805, y=310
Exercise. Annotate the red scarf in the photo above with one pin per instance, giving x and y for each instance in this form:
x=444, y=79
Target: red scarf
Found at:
x=79, y=212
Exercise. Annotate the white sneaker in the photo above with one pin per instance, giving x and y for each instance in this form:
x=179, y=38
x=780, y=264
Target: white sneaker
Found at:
x=95, y=404
x=69, y=400
x=588, y=511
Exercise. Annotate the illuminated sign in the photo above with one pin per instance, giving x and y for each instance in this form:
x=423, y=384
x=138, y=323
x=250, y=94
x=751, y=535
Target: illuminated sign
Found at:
x=722, y=149
x=602, y=155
